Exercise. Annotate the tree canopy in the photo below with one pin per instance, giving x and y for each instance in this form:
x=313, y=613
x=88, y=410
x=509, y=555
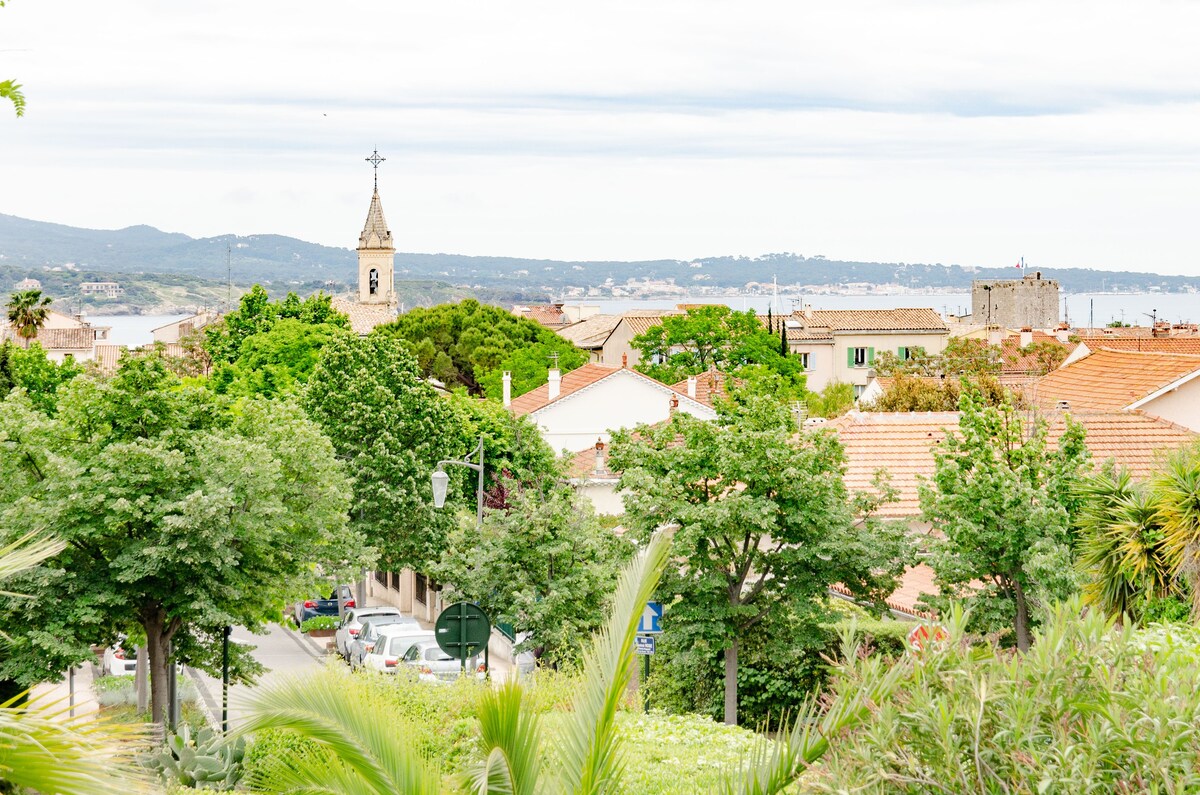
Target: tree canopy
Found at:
x=764, y=521
x=257, y=314
x=180, y=517
x=31, y=370
x=470, y=345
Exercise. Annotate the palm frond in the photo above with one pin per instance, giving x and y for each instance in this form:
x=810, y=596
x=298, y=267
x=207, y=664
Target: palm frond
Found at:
x=369, y=754
x=26, y=552
x=509, y=739
x=43, y=750
x=591, y=760
x=775, y=766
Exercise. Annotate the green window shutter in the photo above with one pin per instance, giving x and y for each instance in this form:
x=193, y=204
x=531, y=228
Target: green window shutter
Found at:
x=870, y=356
x=849, y=357
x=902, y=353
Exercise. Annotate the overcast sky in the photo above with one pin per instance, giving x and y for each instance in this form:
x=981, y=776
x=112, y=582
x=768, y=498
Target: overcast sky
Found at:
x=954, y=132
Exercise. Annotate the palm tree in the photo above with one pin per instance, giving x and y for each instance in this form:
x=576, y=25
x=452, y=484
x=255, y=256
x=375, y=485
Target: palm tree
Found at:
x=42, y=749
x=1123, y=545
x=370, y=758
x=27, y=312
x=1177, y=501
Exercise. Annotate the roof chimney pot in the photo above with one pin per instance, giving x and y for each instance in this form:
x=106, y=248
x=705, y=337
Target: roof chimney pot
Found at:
x=554, y=383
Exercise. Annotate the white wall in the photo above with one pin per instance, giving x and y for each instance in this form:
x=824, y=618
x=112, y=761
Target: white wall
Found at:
x=1182, y=406
x=603, y=494
x=621, y=400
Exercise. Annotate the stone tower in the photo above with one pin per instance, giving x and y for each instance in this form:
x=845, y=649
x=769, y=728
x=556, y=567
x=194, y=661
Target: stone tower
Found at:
x=376, y=258
x=1030, y=302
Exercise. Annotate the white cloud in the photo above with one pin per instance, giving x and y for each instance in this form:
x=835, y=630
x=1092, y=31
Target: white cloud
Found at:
x=939, y=131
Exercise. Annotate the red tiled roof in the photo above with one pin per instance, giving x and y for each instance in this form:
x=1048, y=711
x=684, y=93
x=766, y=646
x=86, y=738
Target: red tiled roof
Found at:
x=549, y=315
x=572, y=381
x=902, y=444
x=591, y=332
x=583, y=465
x=1185, y=345
x=1109, y=380
x=363, y=317
x=709, y=386
x=642, y=320
x=908, y=319
x=1012, y=360
x=914, y=582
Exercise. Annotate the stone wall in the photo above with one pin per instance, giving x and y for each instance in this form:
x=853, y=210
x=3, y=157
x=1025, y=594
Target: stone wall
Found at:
x=1031, y=302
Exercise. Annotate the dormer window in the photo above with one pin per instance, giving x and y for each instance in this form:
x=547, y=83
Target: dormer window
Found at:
x=373, y=281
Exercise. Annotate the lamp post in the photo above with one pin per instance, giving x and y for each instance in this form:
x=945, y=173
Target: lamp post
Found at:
x=441, y=481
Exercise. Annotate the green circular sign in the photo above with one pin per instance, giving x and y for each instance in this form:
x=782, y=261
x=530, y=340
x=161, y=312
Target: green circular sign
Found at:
x=462, y=630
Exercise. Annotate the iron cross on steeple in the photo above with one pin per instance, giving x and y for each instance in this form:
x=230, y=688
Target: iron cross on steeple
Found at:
x=375, y=160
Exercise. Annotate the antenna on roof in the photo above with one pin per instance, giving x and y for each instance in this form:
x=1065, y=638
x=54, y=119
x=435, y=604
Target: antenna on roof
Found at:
x=554, y=360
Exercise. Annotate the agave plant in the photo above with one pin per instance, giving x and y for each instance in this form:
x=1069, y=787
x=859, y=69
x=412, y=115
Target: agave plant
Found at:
x=42, y=749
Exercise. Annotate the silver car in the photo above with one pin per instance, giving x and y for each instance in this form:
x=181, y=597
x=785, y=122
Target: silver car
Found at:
x=369, y=633
x=431, y=664
x=348, y=630
x=393, y=641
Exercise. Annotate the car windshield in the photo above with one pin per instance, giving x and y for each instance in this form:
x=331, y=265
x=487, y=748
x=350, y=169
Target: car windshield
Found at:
x=434, y=654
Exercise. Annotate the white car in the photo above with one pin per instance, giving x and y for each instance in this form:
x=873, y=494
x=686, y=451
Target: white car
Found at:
x=347, y=631
x=390, y=646
x=361, y=644
x=434, y=665
x=118, y=662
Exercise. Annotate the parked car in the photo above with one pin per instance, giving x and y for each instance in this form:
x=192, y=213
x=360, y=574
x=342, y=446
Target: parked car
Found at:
x=370, y=631
x=317, y=606
x=434, y=665
x=118, y=662
x=389, y=647
x=348, y=630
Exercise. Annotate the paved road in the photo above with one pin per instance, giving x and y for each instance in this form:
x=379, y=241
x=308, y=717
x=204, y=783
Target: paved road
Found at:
x=283, y=651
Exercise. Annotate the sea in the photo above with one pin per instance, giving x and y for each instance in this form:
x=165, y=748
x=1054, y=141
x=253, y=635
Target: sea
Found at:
x=1079, y=309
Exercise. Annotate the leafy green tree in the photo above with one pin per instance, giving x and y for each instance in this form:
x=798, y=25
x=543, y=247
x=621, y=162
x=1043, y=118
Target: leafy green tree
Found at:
x=764, y=522
x=832, y=401
x=1122, y=549
x=277, y=361
x=961, y=356
x=390, y=428
x=27, y=312
x=721, y=338
x=31, y=370
x=257, y=314
x=179, y=518
x=515, y=455
x=542, y=564
x=917, y=393
x=1001, y=501
x=470, y=345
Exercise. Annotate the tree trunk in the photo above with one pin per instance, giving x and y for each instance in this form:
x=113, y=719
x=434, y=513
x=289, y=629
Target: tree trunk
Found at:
x=731, y=669
x=1022, y=622
x=158, y=640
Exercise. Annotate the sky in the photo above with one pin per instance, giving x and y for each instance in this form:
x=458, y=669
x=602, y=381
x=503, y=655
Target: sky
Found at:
x=968, y=132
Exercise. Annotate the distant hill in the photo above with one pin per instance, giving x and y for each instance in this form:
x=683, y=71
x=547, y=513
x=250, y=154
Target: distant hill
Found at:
x=285, y=261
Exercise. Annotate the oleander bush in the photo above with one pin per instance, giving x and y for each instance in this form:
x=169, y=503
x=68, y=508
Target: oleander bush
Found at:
x=1091, y=707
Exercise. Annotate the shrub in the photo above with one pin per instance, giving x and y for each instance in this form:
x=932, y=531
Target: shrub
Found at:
x=121, y=691
x=317, y=623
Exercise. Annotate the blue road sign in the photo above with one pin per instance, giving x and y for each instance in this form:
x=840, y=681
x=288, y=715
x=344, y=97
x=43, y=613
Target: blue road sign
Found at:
x=643, y=644
x=651, y=620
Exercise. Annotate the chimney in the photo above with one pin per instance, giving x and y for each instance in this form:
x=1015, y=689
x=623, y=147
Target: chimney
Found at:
x=599, y=469
x=1063, y=335
x=692, y=387
x=1026, y=337
x=994, y=335
x=554, y=382
x=624, y=359
x=674, y=403
x=507, y=389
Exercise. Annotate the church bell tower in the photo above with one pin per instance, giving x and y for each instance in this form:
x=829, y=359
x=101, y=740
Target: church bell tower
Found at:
x=376, y=254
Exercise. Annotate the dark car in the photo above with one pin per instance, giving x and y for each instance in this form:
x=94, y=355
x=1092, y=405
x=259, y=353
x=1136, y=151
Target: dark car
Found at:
x=311, y=608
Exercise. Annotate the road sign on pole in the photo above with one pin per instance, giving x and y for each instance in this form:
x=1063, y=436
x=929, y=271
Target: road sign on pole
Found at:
x=643, y=644
x=651, y=620
x=462, y=630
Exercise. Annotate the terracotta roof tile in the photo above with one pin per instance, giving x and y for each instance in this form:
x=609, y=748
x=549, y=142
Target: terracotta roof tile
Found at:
x=572, y=381
x=642, y=320
x=583, y=465
x=909, y=319
x=709, y=386
x=549, y=315
x=1185, y=345
x=57, y=339
x=591, y=332
x=107, y=357
x=364, y=317
x=1109, y=380
x=902, y=444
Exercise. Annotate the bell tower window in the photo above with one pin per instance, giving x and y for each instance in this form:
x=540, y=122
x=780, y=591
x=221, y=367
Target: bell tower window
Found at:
x=373, y=281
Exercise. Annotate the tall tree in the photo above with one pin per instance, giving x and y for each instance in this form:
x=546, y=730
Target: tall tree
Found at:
x=31, y=370
x=27, y=313
x=764, y=521
x=470, y=345
x=257, y=314
x=390, y=428
x=1001, y=500
x=179, y=517
x=542, y=563
x=721, y=338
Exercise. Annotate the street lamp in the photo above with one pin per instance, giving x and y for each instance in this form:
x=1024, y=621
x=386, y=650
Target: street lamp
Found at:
x=440, y=481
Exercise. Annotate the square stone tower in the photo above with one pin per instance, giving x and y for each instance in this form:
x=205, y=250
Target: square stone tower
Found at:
x=1030, y=302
